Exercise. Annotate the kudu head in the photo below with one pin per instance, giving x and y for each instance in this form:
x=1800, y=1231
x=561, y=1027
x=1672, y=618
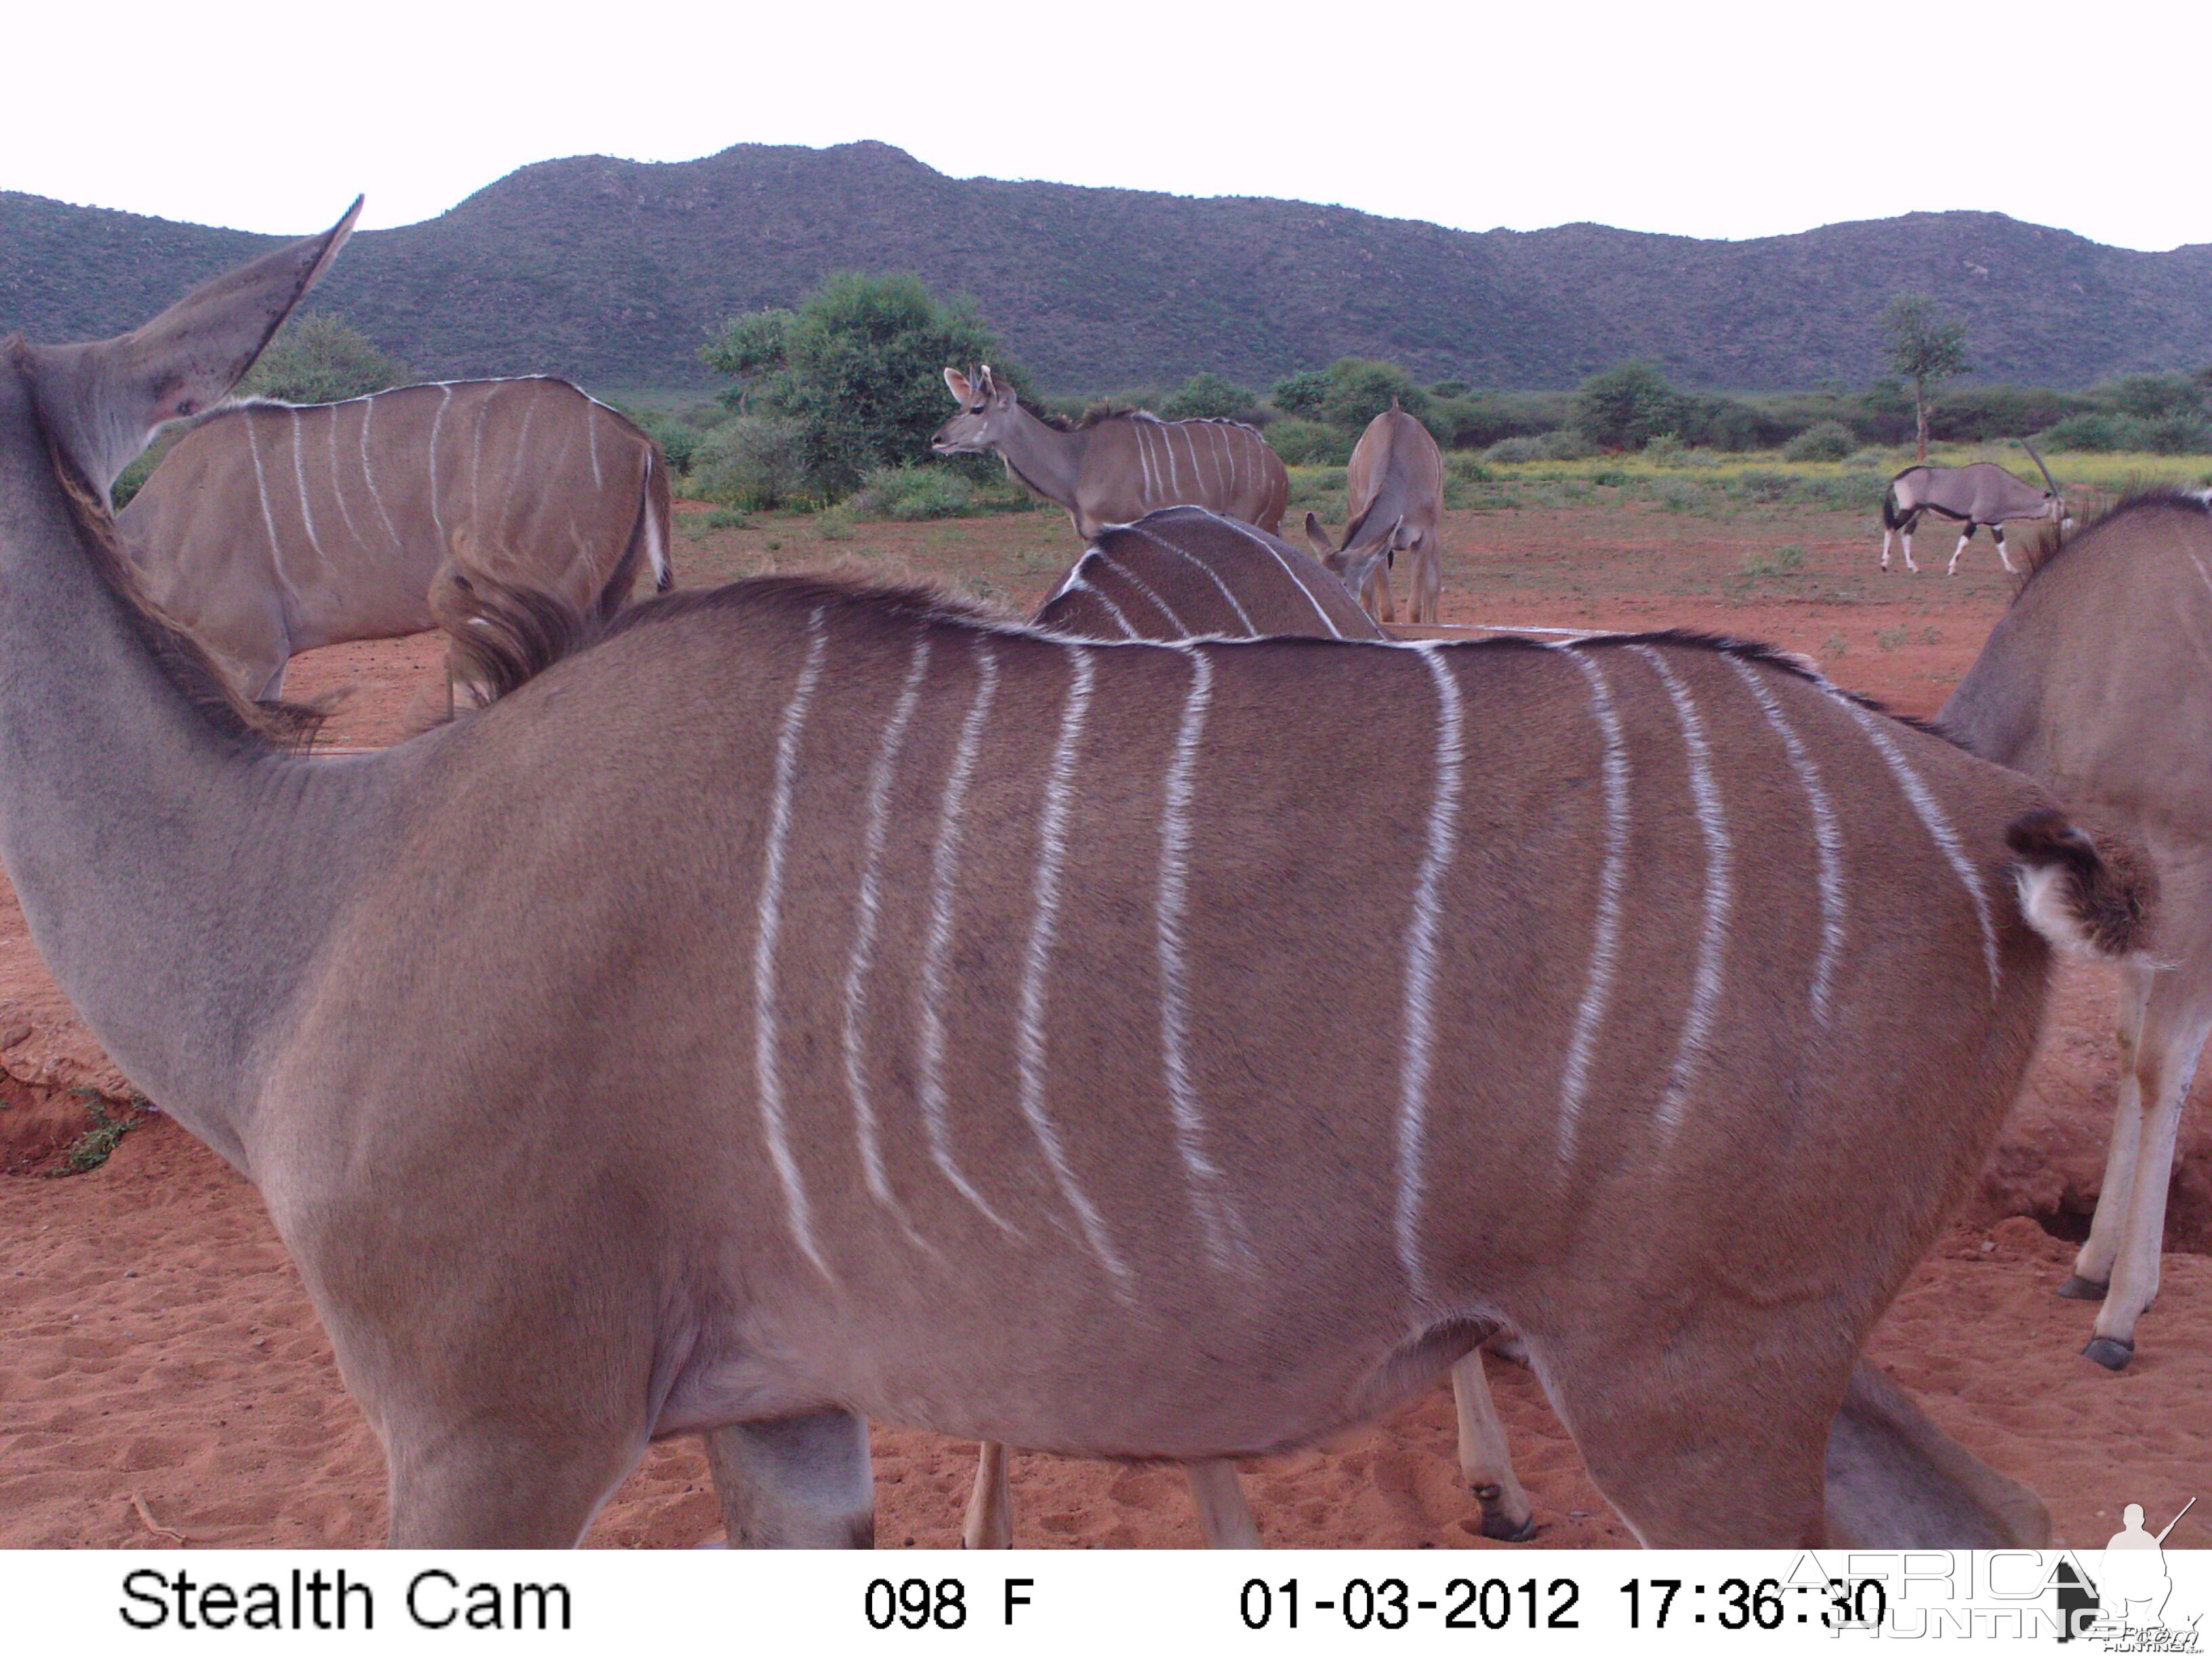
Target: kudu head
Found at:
x=988, y=412
x=102, y=401
x=1365, y=545
x=2055, y=507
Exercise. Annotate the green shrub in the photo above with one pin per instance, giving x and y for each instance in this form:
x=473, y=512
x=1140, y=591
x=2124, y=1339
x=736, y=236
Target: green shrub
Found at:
x=755, y=461
x=1565, y=444
x=1626, y=406
x=909, y=493
x=1828, y=440
x=318, y=358
x=678, y=440
x=2101, y=432
x=1507, y=452
x=1208, y=396
x=1309, y=443
x=1302, y=394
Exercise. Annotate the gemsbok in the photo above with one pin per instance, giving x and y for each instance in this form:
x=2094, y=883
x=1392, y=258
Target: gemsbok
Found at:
x=841, y=1008
x=2096, y=682
x=1980, y=494
x=1395, y=490
x=1118, y=467
x=271, y=529
x=1190, y=573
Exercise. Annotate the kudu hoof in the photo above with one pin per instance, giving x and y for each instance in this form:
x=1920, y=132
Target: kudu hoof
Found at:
x=1497, y=1523
x=2078, y=1289
x=2109, y=1351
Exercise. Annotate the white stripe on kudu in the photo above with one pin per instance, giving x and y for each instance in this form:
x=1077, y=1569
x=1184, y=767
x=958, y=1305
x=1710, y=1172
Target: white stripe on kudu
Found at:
x=1174, y=623
x=1029, y=1039
x=937, y=947
x=369, y=473
x=768, y=1071
x=1417, y=1053
x=1290, y=570
x=867, y=914
x=261, y=485
x=1938, y=826
x=300, y=474
x=338, y=483
x=1712, y=938
x=1605, y=936
x=1827, y=839
x=1204, y=569
x=438, y=420
x=1216, y=1213
x=1079, y=586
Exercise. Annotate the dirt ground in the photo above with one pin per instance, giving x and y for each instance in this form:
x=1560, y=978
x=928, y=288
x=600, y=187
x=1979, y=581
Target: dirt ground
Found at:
x=163, y=1379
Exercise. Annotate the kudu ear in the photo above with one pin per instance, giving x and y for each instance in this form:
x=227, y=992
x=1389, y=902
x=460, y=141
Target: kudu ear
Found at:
x=1318, y=537
x=957, y=384
x=102, y=400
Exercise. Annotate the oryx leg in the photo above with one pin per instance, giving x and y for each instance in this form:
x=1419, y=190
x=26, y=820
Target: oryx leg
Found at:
x=2177, y=1019
x=1714, y=1439
x=2003, y=558
x=1223, y=1514
x=990, y=1521
x=1911, y=523
x=1485, y=1461
x=796, y=1483
x=2092, y=1262
x=1426, y=568
x=1965, y=535
x=1886, y=535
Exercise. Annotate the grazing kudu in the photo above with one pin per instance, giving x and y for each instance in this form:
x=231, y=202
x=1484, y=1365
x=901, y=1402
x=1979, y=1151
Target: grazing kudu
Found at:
x=271, y=529
x=1118, y=467
x=1983, y=493
x=1190, y=573
x=1131, y=1028
x=2096, y=681
x=1395, y=491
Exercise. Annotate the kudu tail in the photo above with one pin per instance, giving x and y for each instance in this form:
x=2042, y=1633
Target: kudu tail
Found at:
x=648, y=541
x=2095, y=897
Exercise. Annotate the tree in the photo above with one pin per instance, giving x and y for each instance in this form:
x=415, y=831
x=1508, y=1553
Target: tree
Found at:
x=858, y=368
x=1301, y=394
x=1627, y=406
x=1208, y=396
x=1926, y=350
x=318, y=358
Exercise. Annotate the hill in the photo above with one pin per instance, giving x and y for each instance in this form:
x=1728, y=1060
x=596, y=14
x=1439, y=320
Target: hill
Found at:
x=611, y=272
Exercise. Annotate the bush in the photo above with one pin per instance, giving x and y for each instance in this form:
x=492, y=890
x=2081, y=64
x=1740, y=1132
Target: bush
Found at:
x=1627, y=405
x=1829, y=441
x=1309, y=443
x=1506, y=452
x=1301, y=393
x=2101, y=432
x=318, y=358
x=1208, y=396
x=857, y=370
x=915, y=492
x=755, y=461
x=1565, y=444
x=679, y=439
x=2153, y=397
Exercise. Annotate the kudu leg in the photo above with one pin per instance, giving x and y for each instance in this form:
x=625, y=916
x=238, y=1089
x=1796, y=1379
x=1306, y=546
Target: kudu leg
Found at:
x=796, y=1483
x=1427, y=569
x=1223, y=1514
x=990, y=1521
x=1485, y=1461
x=497, y=1489
x=2176, y=1023
x=2092, y=1262
x=1377, y=597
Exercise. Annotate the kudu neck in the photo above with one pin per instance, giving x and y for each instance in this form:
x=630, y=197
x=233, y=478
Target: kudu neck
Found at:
x=159, y=860
x=1048, y=460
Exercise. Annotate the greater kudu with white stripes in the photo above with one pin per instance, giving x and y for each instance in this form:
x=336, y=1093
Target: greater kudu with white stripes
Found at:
x=2096, y=681
x=1394, y=503
x=1116, y=469
x=1190, y=573
x=1121, y=1102
x=271, y=529
x=1980, y=494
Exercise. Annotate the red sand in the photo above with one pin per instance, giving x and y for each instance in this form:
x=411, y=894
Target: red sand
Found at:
x=162, y=1362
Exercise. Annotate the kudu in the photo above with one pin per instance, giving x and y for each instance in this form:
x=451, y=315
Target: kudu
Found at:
x=2096, y=681
x=271, y=529
x=1395, y=491
x=1117, y=468
x=1131, y=1028
x=1190, y=573
x=1983, y=493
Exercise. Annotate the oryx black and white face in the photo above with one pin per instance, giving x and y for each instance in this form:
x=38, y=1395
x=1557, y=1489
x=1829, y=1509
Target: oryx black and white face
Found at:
x=988, y=412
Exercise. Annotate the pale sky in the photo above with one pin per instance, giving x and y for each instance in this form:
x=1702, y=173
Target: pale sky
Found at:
x=1696, y=117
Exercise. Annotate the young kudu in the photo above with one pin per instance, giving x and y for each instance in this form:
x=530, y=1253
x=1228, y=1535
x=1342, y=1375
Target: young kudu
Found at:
x=2096, y=681
x=1190, y=573
x=1116, y=469
x=1983, y=493
x=270, y=530
x=1130, y=1028
x=1395, y=501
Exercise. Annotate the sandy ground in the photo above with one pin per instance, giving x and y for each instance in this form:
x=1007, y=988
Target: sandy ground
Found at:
x=163, y=1379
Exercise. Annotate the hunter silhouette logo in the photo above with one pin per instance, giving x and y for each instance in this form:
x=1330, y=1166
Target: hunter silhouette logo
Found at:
x=2124, y=1606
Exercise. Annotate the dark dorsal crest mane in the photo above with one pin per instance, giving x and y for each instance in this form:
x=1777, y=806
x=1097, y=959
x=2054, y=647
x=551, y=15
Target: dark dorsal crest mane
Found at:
x=274, y=725
x=2049, y=547
x=1098, y=417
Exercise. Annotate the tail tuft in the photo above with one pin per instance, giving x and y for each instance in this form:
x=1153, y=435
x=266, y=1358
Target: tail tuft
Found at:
x=2080, y=898
x=1891, y=518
